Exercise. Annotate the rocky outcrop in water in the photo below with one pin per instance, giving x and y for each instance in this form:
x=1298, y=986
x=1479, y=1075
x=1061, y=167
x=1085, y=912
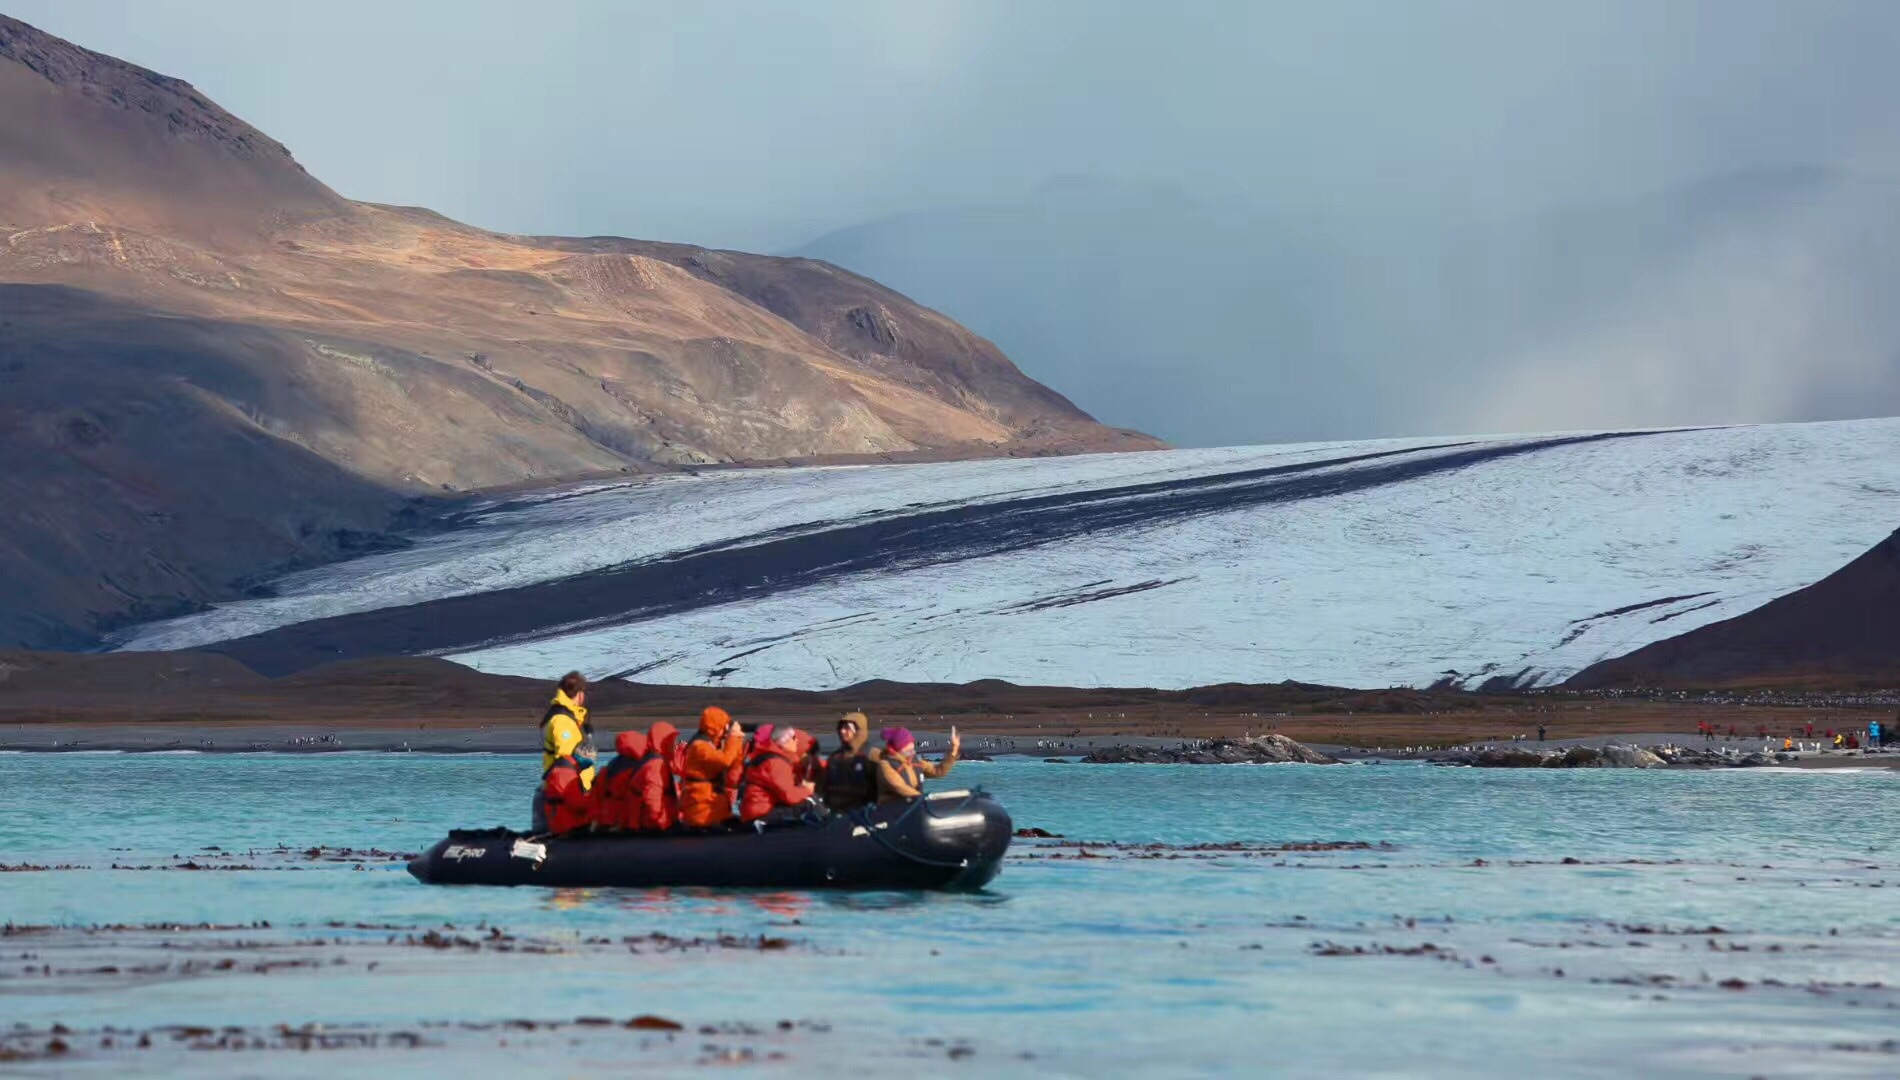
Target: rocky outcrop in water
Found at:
x=1606, y=757
x=1257, y=750
x=1717, y=759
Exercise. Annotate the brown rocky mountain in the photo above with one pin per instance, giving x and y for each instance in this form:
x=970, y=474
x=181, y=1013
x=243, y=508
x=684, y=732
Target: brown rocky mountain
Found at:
x=1843, y=630
x=215, y=367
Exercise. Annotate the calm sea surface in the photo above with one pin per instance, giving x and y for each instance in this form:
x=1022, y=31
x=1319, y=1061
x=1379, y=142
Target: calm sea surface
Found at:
x=1168, y=961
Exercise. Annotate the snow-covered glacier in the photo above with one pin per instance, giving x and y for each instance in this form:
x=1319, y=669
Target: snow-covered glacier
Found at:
x=1362, y=563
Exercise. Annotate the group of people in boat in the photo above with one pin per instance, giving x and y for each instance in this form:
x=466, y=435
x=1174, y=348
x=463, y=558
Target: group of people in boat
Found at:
x=718, y=776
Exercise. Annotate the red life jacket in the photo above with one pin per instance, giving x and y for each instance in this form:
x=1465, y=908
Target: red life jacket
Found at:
x=614, y=786
x=771, y=781
x=655, y=803
x=569, y=804
x=615, y=809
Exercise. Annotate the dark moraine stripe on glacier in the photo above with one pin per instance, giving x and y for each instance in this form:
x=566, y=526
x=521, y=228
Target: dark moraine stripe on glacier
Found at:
x=805, y=556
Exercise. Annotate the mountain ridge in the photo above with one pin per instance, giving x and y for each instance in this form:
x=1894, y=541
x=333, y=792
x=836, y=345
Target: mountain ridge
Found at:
x=367, y=355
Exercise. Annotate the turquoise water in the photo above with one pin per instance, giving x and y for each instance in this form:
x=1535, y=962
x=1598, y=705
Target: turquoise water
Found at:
x=1155, y=962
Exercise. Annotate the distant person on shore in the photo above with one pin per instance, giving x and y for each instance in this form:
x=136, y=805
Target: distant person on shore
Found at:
x=1540, y=733
x=848, y=778
x=771, y=789
x=705, y=798
x=1874, y=735
x=900, y=772
x=566, y=735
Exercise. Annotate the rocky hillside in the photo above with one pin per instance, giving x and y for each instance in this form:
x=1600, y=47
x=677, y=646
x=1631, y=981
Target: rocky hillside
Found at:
x=216, y=367
x=1843, y=630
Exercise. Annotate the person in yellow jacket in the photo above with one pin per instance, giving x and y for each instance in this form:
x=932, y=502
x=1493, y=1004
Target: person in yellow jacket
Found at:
x=566, y=733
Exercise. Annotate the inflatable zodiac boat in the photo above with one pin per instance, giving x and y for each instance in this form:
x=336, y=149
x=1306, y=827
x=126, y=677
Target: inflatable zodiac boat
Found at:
x=951, y=840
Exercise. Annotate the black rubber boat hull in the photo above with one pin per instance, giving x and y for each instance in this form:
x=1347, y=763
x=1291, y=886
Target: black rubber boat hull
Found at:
x=950, y=840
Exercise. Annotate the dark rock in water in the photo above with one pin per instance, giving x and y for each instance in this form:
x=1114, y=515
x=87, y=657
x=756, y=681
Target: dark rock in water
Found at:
x=1505, y=758
x=1258, y=750
x=1056, y=761
x=1688, y=758
x=1514, y=757
x=1031, y=832
x=1588, y=757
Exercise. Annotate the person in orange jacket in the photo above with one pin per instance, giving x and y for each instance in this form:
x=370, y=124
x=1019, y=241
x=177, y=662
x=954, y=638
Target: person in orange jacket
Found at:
x=565, y=797
x=771, y=776
x=655, y=800
x=616, y=787
x=705, y=767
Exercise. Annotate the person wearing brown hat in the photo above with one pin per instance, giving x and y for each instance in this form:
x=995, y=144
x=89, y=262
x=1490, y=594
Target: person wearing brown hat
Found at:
x=848, y=778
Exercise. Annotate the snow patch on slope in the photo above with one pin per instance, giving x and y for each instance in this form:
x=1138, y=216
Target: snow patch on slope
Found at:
x=564, y=532
x=1530, y=567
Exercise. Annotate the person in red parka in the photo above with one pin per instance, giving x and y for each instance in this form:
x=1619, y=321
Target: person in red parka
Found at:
x=568, y=802
x=771, y=776
x=755, y=743
x=656, y=803
x=617, y=787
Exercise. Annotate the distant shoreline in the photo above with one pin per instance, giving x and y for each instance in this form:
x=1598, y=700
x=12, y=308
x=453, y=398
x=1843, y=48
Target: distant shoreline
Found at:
x=308, y=737
x=146, y=702
x=297, y=738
